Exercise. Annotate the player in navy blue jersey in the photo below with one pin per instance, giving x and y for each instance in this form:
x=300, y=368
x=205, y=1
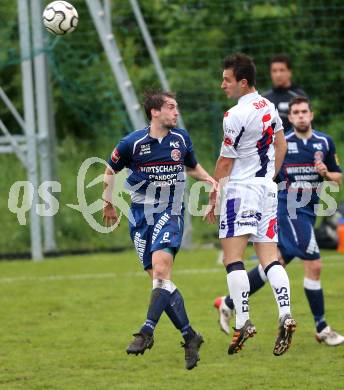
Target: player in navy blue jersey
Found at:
x=157, y=157
x=310, y=160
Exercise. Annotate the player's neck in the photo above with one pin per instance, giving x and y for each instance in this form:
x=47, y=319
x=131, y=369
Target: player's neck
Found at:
x=304, y=135
x=157, y=131
x=286, y=85
x=246, y=91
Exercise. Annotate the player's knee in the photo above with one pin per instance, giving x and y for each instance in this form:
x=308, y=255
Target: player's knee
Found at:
x=160, y=271
x=317, y=268
x=314, y=269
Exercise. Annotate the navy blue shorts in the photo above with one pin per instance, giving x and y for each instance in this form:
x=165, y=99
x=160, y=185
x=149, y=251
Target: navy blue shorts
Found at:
x=165, y=232
x=296, y=237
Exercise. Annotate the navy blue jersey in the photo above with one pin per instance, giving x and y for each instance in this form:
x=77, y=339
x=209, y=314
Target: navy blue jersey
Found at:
x=156, y=166
x=298, y=169
x=281, y=97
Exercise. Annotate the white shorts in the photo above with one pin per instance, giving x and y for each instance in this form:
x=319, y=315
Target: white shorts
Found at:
x=249, y=209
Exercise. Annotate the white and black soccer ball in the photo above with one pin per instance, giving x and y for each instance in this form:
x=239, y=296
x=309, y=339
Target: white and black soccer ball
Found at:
x=60, y=17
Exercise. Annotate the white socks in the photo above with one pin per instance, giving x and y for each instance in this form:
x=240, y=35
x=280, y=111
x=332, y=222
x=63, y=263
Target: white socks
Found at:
x=310, y=284
x=279, y=282
x=165, y=284
x=239, y=287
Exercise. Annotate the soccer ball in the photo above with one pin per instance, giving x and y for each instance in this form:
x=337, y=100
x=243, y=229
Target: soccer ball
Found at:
x=60, y=17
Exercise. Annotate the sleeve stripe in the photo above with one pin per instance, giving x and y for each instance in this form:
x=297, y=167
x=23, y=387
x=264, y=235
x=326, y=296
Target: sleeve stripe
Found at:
x=323, y=138
x=136, y=142
x=289, y=135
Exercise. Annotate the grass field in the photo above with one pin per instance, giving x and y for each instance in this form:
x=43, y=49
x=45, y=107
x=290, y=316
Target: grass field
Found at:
x=65, y=324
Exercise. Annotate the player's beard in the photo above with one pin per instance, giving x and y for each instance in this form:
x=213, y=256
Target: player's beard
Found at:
x=302, y=129
x=169, y=124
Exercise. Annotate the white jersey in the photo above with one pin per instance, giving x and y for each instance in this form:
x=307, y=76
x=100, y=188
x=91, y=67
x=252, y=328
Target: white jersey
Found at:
x=249, y=131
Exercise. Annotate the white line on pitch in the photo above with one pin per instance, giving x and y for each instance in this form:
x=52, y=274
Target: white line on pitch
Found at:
x=110, y=275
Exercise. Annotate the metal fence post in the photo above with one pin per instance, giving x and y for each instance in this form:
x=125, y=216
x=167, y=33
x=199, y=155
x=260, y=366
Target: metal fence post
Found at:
x=29, y=117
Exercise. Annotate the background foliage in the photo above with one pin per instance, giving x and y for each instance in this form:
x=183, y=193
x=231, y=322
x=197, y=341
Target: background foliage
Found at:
x=192, y=38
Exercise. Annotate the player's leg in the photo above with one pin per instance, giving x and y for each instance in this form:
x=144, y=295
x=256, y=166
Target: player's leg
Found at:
x=239, y=287
x=160, y=297
x=279, y=281
x=315, y=297
x=251, y=212
x=162, y=262
x=265, y=244
x=238, y=220
x=176, y=311
x=275, y=273
x=225, y=304
x=168, y=239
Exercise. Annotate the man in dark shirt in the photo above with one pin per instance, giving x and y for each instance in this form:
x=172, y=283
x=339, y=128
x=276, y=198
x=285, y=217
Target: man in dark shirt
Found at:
x=283, y=89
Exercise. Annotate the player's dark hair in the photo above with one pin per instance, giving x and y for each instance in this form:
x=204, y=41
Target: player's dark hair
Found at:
x=284, y=58
x=299, y=100
x=155, y=99
x=242, y=66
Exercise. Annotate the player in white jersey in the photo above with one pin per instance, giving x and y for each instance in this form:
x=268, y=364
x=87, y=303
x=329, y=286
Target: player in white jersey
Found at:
x=252, y=152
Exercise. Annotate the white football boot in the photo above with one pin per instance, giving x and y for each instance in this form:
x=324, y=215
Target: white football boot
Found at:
x=225, y=313
x=329, y=337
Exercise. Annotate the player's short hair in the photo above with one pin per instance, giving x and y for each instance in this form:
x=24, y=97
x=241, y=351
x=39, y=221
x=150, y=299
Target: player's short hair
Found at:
x=155, y=99
x=299, y=100
x=243, y=67
x=284, y=58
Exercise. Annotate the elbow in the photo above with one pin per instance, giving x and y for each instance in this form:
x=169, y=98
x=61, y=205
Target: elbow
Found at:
x=224, y=162
x=225, y=165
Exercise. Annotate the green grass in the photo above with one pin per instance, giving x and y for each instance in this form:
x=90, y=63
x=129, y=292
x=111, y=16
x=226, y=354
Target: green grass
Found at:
x=65, y=324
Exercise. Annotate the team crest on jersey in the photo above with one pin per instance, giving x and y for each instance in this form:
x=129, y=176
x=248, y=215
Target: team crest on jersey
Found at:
x=174, y=144
x=318, y=156
x=175, y=155
x=228, y=141
x=318, y=146
x=115, y=156
x=292, y=148
x=145, y=149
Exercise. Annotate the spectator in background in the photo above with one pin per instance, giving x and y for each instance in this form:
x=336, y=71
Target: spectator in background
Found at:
x=283, y=89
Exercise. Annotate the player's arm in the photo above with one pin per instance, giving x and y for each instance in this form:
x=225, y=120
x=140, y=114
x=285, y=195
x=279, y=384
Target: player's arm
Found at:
x=323, y=171
x=117, y=161
x=200, y=174
x=330, y=169
x=224, y=165
x=280, y=145
x=109, y=211
x=333, y=176
x=223, y=169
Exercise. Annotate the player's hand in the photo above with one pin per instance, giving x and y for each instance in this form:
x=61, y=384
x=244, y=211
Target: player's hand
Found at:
x=213, y=198
x=321, y=168
x=110, y=216
x=209, y=215
x=214, y=184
